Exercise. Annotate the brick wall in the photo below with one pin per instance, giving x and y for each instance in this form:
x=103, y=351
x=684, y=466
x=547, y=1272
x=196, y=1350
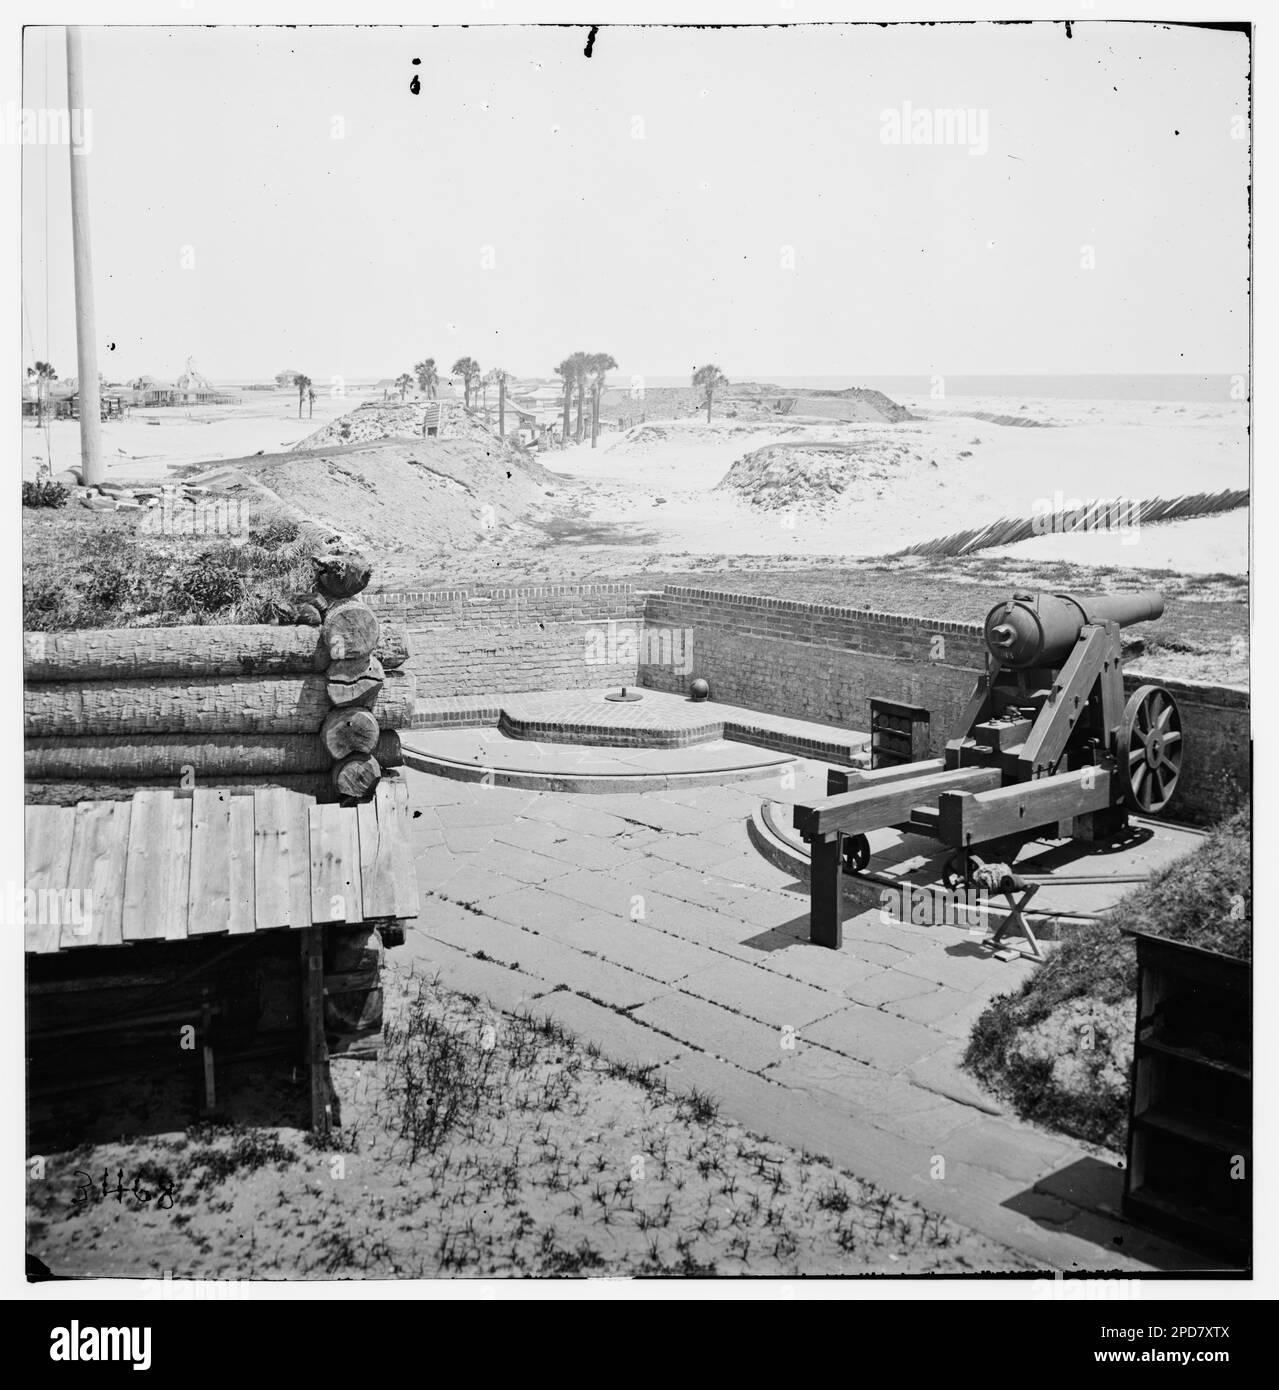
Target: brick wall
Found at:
x=816, y=661
x=476, y=641
x=823, y=662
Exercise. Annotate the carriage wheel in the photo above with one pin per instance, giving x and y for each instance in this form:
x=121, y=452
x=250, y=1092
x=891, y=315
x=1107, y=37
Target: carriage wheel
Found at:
x=856, y=852
x=1149, y=749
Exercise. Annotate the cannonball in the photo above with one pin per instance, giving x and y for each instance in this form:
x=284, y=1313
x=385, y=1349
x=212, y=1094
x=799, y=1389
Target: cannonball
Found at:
x=699, y=690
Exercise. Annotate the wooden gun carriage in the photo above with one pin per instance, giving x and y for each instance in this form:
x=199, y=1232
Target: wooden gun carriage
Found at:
x=1048, y=748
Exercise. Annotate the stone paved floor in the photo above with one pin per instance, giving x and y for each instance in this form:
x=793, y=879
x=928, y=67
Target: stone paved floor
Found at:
x=647, y=924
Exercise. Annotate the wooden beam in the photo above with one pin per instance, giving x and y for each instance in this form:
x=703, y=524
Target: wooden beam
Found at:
x=210, y=899
x=968, y=818
x=148, y=866
x=317, y=1055
x=179, y=904
x=98, y=851
x=49, y=833
x=376, y=866
x=825, y=907
x=335, y=865
x=241, y=919
x=1066, y=703
x=392, y=802
x=850, y=779
x=270, y=861
x=856, y=812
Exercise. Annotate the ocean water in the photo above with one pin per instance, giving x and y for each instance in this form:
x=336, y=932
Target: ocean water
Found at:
x=1215, y=387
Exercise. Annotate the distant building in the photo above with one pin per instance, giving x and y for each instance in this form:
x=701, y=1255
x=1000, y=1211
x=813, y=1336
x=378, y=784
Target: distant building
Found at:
x=288, y=377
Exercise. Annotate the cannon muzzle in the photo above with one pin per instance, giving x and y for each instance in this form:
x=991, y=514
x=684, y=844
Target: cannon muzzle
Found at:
x=1040, y=629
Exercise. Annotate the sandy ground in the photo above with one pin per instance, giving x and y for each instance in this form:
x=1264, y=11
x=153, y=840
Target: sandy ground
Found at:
x=477, y=1145
x=1204, y=545
x=924, y=478
x=668, y=487
x=148, y=444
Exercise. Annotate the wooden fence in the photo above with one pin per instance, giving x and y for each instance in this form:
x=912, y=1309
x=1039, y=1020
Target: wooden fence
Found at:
x=1087, y=516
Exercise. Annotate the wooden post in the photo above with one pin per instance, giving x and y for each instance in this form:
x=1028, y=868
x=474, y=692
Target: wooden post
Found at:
x=826, y=916
x=206, y=1026
x=90, y=403
x=317, y=1057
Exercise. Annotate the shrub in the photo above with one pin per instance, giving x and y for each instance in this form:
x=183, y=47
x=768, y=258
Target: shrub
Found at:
x=45, y=493
x=1026, y=1046
x=210, y=581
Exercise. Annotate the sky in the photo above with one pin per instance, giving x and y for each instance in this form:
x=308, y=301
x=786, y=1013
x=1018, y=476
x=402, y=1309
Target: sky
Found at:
x=271, y=198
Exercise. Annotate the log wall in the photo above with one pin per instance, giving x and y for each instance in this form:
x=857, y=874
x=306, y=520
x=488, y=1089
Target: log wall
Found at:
x=109, y=711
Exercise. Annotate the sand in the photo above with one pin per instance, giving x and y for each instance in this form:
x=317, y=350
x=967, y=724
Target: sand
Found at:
x=671, y=487
x=924, y=478
x=148, y=444
x=566, y=1167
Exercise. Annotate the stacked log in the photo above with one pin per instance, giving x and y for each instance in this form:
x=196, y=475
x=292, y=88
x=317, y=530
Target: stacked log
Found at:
x=113, y=710
x=354, y=678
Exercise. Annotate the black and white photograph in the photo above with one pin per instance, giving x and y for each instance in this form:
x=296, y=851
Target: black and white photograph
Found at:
x=636, y=654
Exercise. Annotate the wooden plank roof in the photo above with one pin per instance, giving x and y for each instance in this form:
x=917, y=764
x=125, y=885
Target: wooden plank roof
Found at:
x=170, y=866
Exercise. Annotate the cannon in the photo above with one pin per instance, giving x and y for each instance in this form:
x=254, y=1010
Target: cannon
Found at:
x=1048, y=748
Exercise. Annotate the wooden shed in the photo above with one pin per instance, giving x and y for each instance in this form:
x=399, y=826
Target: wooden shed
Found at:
x=139, y=901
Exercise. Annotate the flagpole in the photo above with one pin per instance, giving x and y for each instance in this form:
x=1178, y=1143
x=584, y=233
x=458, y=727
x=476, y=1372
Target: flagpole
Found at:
x=90, y=408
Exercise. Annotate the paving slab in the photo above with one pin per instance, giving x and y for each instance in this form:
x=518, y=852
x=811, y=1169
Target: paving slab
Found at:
x=635, y=945
x=508, y=990
x=690, y=852
x=763, y=995
x=815, y=965
x=888, y=988
x=475, y=885
x=543, y=836
x=933, y=1007
x=942, y=1073
x=576, y=814
x=617, y=1035
x=881, y=1039
x=468, y=839
x=713, y=1029
x=602, y=855
x=1020, y=1152
x=530, y=905
x=545, y=959
x=527, y=866
x=603, y=892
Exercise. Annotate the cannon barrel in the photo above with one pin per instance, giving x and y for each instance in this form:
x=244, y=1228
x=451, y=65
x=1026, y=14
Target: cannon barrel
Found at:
x=1040, y=629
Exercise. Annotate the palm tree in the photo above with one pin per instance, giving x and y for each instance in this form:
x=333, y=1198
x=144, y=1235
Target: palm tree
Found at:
x=598, y=365
x=469, y=370
x=568, y=370
x=708, y=380
x=427, y=377
x=302, y=382
x=499, y=375
x=578, y=363
x=403, y=381
x=44, y=375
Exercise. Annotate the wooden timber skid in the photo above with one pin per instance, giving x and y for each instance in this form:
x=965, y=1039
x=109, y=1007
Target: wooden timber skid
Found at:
x=188, y=866
x=1048, y=748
